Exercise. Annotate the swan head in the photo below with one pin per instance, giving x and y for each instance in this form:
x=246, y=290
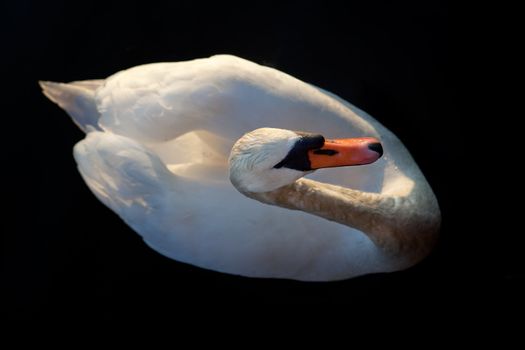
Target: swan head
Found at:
x=266, y=159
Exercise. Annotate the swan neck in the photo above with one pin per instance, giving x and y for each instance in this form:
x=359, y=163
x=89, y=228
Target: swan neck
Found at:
x=394, y=223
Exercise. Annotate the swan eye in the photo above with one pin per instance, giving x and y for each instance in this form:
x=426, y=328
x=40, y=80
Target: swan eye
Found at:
x=297, y=158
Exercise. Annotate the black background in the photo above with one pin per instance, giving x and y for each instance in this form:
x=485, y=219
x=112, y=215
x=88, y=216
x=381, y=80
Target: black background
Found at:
x=66, y=254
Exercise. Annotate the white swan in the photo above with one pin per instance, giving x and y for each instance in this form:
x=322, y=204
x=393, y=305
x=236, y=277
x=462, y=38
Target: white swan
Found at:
x=156, y=152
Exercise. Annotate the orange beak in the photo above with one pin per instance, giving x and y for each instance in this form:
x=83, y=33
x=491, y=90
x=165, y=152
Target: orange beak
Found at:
x=344, y=152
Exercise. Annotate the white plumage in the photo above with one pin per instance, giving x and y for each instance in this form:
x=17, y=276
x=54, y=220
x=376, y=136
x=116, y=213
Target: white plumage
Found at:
x=156, y=153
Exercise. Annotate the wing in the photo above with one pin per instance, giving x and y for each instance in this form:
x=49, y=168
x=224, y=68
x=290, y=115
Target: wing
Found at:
x=126, y=177
x=161, y=101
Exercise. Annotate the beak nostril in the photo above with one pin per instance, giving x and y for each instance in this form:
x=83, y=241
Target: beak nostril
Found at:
x=327, y=152
x=376, y=147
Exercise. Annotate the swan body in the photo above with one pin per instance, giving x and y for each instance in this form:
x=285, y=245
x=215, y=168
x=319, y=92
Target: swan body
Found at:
x=158, y=152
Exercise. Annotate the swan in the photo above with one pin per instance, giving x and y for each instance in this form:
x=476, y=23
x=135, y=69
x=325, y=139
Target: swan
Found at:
x=215, y=162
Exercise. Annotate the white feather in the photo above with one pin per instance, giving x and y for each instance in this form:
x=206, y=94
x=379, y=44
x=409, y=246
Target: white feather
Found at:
x=161, y=163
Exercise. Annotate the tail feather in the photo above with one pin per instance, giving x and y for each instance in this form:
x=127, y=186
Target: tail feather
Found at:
x=77, y=99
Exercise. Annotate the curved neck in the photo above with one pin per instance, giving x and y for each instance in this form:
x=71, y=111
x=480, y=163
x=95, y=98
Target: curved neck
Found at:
x=401, y=225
